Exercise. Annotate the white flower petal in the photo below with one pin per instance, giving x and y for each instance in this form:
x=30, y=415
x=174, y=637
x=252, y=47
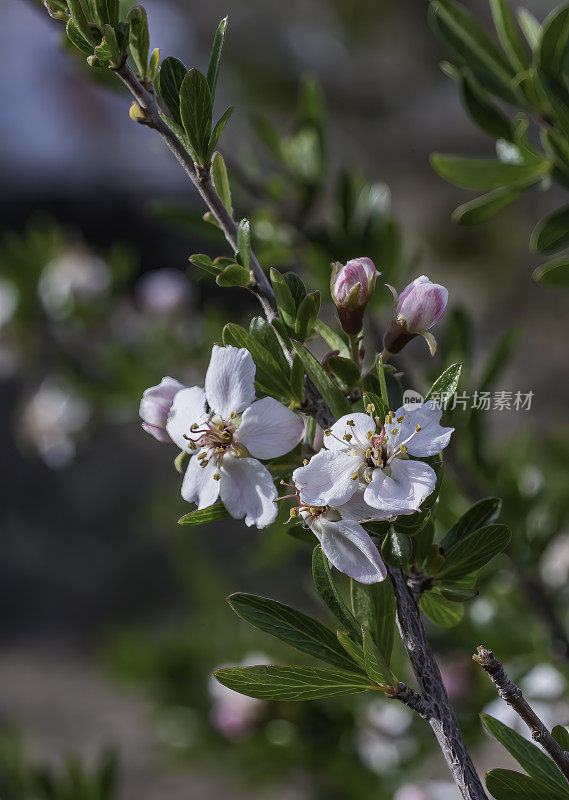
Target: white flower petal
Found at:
x=326, y=480
x=404, y=491
x=188, y=407
x=268, y=429
x=230, y=380
x=357, y=510
x=362, y=425
x=350, y=550
x=247, y=490
x=432, y=438
x=199, y=486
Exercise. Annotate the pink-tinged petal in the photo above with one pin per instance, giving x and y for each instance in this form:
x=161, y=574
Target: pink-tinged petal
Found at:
x=247, y=490
x=230, y=380
x=327, y=479
x=363, y=424
x=404, y=490
x=408, y=289
x=155, y=406
x=421, y=304
x=268, y=429
x=350, y=549
x=432, y=438
x=199, y=485
x=188, y=408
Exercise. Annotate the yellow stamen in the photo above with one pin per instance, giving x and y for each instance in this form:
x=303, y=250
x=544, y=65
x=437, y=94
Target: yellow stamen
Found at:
x=347, y=437
x=354, y=477
x=400, y=419
x=294, y=512
x=217, y=476
x=369, y=434
x=192, y=446
x=403, y=448
x=417, y=428
x=327, y=432
x=305, y=462
x=370, y=408
x=394, y=431
x=351, y=423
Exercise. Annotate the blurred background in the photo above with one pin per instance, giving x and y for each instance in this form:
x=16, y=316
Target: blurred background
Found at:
x=111, y=616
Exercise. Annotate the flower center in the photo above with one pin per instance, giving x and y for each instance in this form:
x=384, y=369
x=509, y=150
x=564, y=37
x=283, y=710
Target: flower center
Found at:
x=214, y=438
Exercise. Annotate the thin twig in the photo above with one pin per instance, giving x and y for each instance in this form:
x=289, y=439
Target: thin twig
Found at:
x=442, y=721
x=412, y=699
x=513, y=696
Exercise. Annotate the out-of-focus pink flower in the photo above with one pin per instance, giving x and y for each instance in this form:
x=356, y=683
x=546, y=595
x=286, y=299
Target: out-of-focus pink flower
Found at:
x=164, y=291
x=351, y=286
x=235, y=715
x=419, y=306
x=155, y=406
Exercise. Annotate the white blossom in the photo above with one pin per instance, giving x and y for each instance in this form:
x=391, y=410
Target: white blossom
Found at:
x=226, y=431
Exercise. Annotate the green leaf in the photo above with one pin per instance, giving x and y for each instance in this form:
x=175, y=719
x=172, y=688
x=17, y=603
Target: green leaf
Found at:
x=108, y=12
x=551, y=233
x=168, y=84
x=326, y=588
x=196, y=112
x=463, y=34
x=481, y=513
x=291, y=683
x=474, y=550
x=486, y=174
x=333, y=397
x=81, y=24
x=396, y=548
x=530, y=28
x=153, y=64
x=244, y=242
x=554, y=42
x=306, y=316
x=297, y=378
x=376, y=666
x=528, y=755
x=204, y=262
x=332, y=339
x=561, y=736
x=296, y=288
x=483, y=112
x=444, y=613
x=234, y=275
x=457, y=594
x=78, y=40
x=268, y=374
x=346, y=372
x=487, y=205
x=374, y=607
x=215, y=58
x=265, y=334
x=505, y=784
x=205, y=515
x=445, y=386
x=553, y=273
x=508, y=34
x=221, y=181
x=108, y=50
x=291, y=626
x=218, y=130
x=139, y=39
x=557, y=97
x=354, y=650
x=285, y=301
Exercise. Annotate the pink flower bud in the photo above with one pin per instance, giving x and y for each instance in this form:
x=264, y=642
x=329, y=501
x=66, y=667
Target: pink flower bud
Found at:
x=421, y=304
x=155, y=406
x=351, y=287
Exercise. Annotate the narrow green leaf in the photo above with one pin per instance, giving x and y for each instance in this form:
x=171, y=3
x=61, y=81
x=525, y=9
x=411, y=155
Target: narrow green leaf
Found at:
x=396, y=548
x=244, y=242
x=374, y=607
x=508, y=34
x=552, y=232
x=333, y=396
x=483, y=112
x=505, y=784
x=296, y=287
x=528, y=755
x=485, y=174
x=481, y=513
x=291, y=626
x=444, y=613
x=268, y=375
x=561, y=736
x=108, y=50
x=326, y=588
x=168, y=84
x=486, y=206
x=445, y=386
x=215, y=58
x=285, y=302
x=221, y=181
x=153, y=64
x=205, y=515
x=332, y=339
x=291, y=683
x=554, y=42
x=81, y=23
x=264, y=333
x=379, y=409
x=354, y=650
x=78, y=40
x=346, y=372
x=375, y=664
x=306, y=316
x=531, y=28
x=474, y=550
x=108, y=12
x=139, y=38
x=557, y=97
x=553, y=273
x=196, y=112
x=218, y=130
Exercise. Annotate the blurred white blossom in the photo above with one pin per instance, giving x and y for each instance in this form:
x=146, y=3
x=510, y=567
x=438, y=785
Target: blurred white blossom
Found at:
x=431, y=790
x=164, y=291
x=9, y=299
x=232, y=714
x=76, y=275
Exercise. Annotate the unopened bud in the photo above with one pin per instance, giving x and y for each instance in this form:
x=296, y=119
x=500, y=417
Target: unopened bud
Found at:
x=351, y=287
x=419, y=306
x=137, y=113
x=155, y=406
